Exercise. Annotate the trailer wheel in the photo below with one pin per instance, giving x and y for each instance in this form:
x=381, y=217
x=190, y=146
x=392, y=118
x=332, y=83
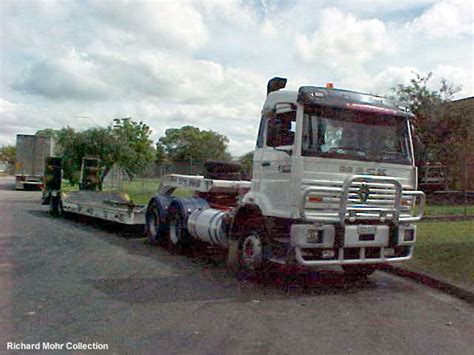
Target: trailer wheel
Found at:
x=56, y=206
x=152, y=225
x=359, y=271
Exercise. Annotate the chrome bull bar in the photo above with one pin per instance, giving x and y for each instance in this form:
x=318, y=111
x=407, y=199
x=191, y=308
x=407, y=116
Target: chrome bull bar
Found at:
x=371, y=213
x=341, y=261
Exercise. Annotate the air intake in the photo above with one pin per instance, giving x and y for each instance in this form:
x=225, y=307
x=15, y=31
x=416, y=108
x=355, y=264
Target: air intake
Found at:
x=276, y=84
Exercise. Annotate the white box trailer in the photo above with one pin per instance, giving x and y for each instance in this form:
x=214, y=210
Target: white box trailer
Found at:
x=31, y=152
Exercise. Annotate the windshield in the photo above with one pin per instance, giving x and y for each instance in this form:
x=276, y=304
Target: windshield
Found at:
x=357, y=136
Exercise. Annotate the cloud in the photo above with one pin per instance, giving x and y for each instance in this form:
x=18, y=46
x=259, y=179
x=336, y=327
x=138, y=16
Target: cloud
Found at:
x=391, y=77
x=176, y=25
x=83, y=63
x=445, y=19
x=342, y=40
x=70, y=77
x=20, y=118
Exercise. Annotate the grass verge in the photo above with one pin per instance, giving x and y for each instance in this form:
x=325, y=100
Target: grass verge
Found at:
x=448, y=210
x=445, y=249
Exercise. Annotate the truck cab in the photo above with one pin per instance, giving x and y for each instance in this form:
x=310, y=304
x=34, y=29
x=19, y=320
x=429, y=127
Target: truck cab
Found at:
x=336, y=169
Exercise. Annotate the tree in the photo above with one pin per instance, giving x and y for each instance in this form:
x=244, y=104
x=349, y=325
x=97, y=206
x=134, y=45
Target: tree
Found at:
x=444, y=127
x=125, y=141
x=134, y=149
x=93, y=142
x=189, y=143
x=434, y=123
x=47, y=132
x=246, y=161
x=8, y=155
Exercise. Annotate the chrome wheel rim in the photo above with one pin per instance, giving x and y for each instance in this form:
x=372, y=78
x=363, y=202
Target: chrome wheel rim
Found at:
x=251, y=253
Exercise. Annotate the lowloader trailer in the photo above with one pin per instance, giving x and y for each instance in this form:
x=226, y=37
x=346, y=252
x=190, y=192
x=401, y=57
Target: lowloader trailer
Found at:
x=89, y=201
x=334, y=183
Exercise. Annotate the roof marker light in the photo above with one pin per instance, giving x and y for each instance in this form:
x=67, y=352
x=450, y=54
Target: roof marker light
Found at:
x=329, y=85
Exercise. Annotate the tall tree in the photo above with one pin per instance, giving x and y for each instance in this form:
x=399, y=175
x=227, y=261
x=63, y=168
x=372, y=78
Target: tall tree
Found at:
x=190, y=143
x=134, y=148
x=434, y=122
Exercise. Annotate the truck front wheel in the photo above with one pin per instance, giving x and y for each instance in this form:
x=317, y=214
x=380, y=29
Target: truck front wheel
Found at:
x=251, y=252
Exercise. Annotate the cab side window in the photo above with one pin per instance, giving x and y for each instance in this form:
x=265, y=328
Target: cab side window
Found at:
x=281, y=129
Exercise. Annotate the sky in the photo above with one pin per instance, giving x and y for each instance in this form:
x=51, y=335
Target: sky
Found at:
x=207, y=63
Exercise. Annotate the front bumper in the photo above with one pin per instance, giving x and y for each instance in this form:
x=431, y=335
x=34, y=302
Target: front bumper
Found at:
x=356, y=230
x=319, y=244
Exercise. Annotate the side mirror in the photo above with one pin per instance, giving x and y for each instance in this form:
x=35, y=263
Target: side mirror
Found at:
x=287, y=151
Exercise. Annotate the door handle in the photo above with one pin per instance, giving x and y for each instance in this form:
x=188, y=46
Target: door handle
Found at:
x=265, y=163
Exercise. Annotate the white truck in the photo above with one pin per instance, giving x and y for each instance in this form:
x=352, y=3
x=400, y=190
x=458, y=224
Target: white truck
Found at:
x=31, y=152
x=334, y=183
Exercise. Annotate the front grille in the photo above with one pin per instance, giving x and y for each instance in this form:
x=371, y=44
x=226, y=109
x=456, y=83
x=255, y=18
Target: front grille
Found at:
x=365, y=199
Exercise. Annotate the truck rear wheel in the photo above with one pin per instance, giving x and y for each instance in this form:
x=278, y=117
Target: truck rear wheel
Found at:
x=177, y=234
x=155, y=219
x=359, y=271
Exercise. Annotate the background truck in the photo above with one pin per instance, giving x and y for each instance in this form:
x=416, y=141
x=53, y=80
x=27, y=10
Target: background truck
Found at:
x=31, y=152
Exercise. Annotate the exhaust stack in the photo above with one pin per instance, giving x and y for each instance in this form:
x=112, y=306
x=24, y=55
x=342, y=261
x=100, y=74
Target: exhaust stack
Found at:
x=276, y=84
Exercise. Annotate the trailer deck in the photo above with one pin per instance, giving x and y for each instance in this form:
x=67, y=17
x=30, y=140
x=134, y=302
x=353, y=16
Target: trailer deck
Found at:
x=110, y=206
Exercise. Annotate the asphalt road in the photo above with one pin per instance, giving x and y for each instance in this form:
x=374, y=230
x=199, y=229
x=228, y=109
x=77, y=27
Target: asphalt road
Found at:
x=64, y=281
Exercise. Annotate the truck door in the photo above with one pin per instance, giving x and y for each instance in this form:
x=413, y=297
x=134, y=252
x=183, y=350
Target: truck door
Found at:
x=272, y=160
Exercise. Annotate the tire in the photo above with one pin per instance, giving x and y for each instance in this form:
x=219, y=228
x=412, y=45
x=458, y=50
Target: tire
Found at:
x=178, y=213
x=152, y=226
x=247, y=241
x=251, y=252
x=359, y=271
x=55, y=206
x=156, y=226
x=177, y=236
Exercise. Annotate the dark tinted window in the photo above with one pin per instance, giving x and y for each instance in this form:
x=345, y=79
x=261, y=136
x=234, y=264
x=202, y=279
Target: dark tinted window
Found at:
x=281, y=129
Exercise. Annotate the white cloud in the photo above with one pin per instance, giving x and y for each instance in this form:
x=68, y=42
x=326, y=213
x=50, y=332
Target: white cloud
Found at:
x=448, y=18
x=457, y=76
x=232, y=12
x=173, y=24
x=342, y=40
x=207, y=63
x=389, y=78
